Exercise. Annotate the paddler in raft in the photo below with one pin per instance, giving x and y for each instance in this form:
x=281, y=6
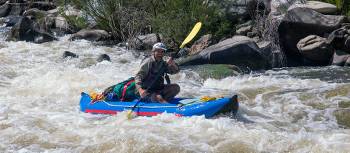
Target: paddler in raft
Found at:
x=149, y=79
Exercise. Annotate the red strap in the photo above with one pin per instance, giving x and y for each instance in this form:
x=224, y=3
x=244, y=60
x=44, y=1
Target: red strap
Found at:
x=124, y=89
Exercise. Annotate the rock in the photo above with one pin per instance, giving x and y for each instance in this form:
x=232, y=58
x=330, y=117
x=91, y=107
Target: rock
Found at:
x=4, y=10
x=201, y=44
x=343, y=117
x=315, y=48
x=91, y=35
x=35, y=13
x=144, y=42
x=321, y=7
x=69, y=54
x=239, y=50
x=17, y=9
x=341, y=58
x=103, y=57
x=2, y=2
x=265, y=47
x=244, y=30
x=43, y=5
x=339, y=39
x=28, y=30
x=12, y=20
x=61, y=23
x=299, y=23
x=216, y=71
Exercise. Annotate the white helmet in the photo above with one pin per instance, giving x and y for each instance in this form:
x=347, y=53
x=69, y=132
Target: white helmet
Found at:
x=159, y=46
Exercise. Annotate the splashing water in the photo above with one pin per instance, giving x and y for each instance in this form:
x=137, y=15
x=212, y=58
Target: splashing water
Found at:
x=282, y=110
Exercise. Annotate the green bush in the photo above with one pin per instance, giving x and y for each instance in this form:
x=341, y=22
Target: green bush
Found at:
x=126, y=19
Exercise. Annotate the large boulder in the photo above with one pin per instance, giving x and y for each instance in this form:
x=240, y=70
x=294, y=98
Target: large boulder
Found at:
x=201, y=44
x=239, y=50
x=315, y=48
x=144, y=42
x=28, y=30
x=299, y=23
x=341, y=58
x=91, y=35
x=321, y=7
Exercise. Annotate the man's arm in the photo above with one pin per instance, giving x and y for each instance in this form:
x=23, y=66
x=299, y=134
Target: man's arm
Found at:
x=172, y=67
x=141, y=75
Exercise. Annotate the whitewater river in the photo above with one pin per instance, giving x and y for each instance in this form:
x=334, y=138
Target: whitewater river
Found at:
x=282, y=110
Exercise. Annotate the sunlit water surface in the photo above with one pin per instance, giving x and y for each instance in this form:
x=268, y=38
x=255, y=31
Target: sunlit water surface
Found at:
x=282, y=110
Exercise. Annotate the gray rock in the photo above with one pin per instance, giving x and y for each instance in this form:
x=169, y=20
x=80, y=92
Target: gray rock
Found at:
x=28, y=30
x=341, y=58
x=299, y=23
x=315, y=48
x=201, y=44
x=239, y=50
x=69, y=54
x=103, y=57
x=339, y=39
x=17, y=9
x=144, y=42
x=91, y=35
x=61, y=23
x=4, y=10
x=244, y=30
x=321, y=7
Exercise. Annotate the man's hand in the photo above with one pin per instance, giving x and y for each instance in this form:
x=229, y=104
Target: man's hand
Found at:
x=171, y=62
x=143, y=93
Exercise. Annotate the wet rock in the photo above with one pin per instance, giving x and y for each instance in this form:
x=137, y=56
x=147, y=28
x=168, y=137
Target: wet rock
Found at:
x=216, y=71
x=239, y=50
x=321, y=7
x=91, y=35
x=17, y=9
x=28, y=30
x=69, y=54
x=343, y=117
x=103, y=57
x=201, y=44
x=12, y=20
x=144, y=42
x=340, y=39
x=4, y=10
x=299, y=23
x=341, y=58
x=315, y=48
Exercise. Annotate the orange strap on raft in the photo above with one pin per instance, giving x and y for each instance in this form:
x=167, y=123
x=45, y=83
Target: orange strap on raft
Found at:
x=124, y=89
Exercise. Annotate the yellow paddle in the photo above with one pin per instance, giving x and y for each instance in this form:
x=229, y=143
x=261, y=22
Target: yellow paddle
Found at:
x=191, y=35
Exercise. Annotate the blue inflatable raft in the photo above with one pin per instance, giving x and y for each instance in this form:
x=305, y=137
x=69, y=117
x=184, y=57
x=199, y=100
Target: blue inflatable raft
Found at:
x=178, y=106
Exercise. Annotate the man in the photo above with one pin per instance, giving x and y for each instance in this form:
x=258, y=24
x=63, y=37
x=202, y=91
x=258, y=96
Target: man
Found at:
x=149, y=79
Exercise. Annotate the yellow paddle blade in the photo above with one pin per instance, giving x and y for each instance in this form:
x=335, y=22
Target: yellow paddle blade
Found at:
x=192, y=34
x=130, y=115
